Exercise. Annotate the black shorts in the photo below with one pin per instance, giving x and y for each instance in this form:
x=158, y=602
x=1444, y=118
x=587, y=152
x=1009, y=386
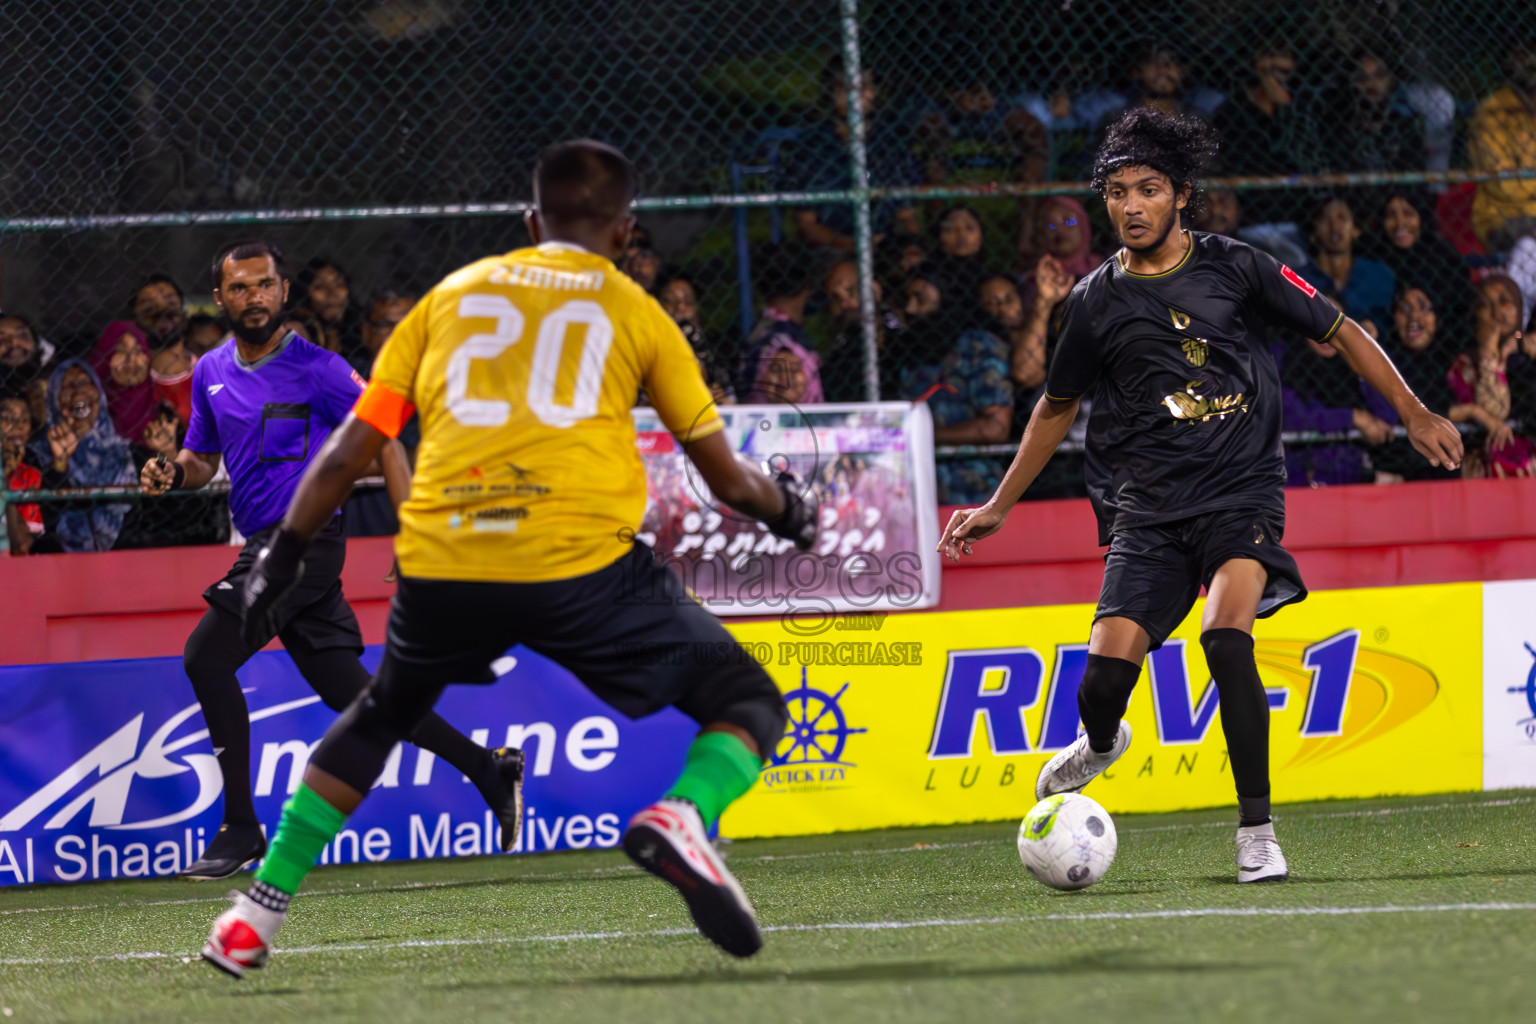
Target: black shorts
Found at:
x=630, y=632
x=1153, y=574
x=316, y=609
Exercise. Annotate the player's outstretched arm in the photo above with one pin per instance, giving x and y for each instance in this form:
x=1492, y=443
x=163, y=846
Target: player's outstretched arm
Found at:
x=789, y=507
x=1048, y=425
x=1433, y=436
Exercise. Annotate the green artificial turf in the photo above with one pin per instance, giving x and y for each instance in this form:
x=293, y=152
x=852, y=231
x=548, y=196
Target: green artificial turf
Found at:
x=916, y=924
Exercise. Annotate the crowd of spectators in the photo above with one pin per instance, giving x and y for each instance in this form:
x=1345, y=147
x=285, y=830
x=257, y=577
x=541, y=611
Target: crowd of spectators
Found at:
x=70, y=423
x=969, y=294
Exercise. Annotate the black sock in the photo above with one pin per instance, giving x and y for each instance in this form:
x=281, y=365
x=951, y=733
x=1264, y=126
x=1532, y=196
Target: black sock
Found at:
x=213, y=652
x=1244, y=718
x=1102, y=697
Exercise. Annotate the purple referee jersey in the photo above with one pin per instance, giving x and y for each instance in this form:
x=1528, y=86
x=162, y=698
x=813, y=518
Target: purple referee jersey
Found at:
x=268, y=419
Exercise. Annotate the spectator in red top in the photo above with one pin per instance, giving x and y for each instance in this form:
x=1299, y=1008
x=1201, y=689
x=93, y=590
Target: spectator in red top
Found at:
x=23, y=523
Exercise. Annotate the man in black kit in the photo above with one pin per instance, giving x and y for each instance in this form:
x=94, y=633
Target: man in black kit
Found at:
x=1184, y=463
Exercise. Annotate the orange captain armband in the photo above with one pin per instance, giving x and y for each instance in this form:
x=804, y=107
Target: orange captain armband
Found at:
x=383, y=410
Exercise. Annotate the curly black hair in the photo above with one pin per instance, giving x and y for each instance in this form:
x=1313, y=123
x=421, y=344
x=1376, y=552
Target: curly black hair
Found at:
x=1178, y=145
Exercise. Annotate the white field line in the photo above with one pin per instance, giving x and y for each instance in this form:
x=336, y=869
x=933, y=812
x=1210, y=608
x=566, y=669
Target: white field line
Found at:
x=830, y=926
x=576, y=876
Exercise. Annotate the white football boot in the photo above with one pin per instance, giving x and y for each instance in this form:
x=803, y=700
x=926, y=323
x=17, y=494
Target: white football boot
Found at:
x=242, y=936
x=1076, y=766
x=668, y=840
x=1258, y=855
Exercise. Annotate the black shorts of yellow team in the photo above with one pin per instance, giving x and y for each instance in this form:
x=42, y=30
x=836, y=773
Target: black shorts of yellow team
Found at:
x=1154, y=573
x=630, y=632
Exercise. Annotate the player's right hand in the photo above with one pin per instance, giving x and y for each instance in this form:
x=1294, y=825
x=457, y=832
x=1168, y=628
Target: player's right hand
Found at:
x=277, y=570
x=967, y=526
x=157, y=476
x=801, y=519
x=1435, y=438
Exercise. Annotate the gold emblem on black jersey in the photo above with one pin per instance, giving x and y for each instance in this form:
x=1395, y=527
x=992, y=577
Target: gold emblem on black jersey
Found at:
x=1180, y=320
x=1196, y=350
x=1188, y=405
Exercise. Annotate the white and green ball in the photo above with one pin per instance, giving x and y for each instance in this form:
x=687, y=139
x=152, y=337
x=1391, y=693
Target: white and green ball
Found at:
x=1067, y=841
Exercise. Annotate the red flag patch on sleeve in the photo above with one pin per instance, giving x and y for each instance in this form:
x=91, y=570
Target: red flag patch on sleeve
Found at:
x=1296, y=279
x=357, y=379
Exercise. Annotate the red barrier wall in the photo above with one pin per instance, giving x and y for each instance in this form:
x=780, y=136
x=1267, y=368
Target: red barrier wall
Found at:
x=138, y=604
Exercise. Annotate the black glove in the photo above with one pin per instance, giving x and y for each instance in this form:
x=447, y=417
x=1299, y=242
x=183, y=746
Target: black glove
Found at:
x=277, y=570
x=801, y=520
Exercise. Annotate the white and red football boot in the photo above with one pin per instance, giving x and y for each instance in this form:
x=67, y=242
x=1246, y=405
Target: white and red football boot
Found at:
x=668, y=840
x=242, y=936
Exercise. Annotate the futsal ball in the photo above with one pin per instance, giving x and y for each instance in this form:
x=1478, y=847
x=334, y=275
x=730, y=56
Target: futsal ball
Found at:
x=1067, y=841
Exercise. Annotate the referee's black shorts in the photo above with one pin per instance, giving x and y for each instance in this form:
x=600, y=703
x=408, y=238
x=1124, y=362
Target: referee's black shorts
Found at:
x=316, y=610
x=1153, y=574
x=630, y=632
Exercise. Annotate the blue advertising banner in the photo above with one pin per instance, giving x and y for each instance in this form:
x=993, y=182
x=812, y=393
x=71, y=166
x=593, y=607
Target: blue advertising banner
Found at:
x=106, y=770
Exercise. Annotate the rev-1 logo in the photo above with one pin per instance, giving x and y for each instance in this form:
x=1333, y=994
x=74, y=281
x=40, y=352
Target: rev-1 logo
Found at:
x=999, y=686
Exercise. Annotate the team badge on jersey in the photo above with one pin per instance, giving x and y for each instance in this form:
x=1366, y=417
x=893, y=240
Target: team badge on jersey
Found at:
x=1196, y=350
x=1296, y=279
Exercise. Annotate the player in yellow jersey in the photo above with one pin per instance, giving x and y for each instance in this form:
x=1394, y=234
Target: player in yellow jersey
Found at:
x=520, y=529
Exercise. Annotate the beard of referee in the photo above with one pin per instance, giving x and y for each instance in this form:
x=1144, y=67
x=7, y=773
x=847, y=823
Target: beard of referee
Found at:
x=1147, y=170
x=582, y=191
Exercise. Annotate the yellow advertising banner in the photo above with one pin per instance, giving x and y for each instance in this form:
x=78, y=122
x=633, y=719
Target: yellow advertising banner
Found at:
x=935, y=718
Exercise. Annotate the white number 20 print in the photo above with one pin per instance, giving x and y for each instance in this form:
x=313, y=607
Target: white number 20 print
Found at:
x=545, y=368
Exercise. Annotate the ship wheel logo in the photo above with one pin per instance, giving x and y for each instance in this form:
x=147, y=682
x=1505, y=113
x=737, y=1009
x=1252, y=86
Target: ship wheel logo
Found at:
x=817, y=731
x=1529, y=689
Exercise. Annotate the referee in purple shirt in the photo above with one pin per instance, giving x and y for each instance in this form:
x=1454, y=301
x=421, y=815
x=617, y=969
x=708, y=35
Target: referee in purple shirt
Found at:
x=265, y=403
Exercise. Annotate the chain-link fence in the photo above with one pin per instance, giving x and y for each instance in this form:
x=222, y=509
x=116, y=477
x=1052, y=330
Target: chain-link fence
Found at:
x=913, y=243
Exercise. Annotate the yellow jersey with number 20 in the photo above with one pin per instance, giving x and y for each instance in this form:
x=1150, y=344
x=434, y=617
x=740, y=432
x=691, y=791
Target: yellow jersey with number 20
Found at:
x=524, y=368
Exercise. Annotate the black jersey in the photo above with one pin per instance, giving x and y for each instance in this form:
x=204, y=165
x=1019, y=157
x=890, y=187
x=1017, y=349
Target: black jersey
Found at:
x=1186, y=398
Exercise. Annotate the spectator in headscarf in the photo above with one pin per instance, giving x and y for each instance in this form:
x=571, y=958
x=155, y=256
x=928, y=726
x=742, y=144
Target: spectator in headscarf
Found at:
x=1479, y=382
x=1414, y=344
x=81, y=449
x=121, y=363
x=787, y=372
x=1058, y=230
x=961, y=245
x=1409, y=245
x=157, y=329
x=842, y=371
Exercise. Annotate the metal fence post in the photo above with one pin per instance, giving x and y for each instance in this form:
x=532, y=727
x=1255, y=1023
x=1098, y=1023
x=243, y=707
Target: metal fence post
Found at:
x=859, y=174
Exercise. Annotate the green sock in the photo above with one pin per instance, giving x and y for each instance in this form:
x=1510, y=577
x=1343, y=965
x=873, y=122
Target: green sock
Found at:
x=308, y=824
x=719, y=769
